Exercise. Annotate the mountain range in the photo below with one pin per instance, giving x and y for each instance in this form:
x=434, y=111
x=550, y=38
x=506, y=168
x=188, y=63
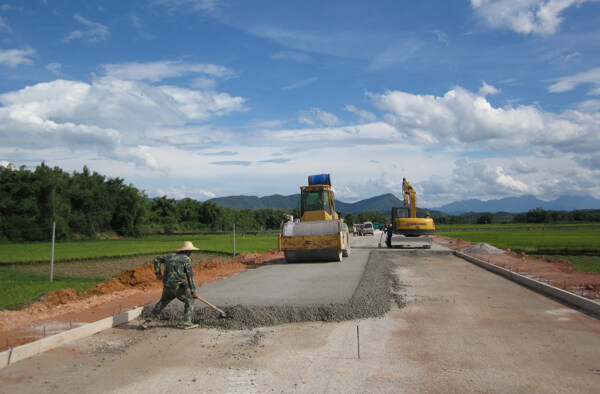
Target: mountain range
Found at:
x=520, y=204
x=381, y=203
x=384, y=202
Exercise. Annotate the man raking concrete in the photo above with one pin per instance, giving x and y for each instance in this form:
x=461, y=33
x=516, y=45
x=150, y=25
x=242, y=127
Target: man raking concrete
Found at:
x=178, y=269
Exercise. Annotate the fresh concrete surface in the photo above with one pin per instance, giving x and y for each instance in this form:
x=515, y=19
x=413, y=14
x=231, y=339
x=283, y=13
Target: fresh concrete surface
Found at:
x=283, y=284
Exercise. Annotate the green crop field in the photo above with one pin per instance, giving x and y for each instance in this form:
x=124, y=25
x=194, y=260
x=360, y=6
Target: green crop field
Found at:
x=38, y=253
x=20, y=287
x=556, y=242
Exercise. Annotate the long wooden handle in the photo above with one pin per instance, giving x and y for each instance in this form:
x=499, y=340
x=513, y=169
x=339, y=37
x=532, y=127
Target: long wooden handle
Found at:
x=212, y=306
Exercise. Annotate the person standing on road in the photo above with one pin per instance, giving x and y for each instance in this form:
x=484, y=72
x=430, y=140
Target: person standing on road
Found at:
x=178, y=268
x=388, y=239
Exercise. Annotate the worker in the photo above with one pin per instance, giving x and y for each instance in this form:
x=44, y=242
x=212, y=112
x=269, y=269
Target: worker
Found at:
x=178, y=268
x=389, y=230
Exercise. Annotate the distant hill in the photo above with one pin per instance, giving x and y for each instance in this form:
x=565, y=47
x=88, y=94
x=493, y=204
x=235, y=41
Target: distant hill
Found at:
x=276, y=201
x=520, y=204
x=384, y=202
x=381, y=203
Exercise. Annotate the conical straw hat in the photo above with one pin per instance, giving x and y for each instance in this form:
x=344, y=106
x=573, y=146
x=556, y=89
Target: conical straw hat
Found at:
x=187, y=245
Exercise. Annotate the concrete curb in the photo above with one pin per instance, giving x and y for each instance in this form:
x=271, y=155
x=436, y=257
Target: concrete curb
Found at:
x=33, y=348
x=587, y=305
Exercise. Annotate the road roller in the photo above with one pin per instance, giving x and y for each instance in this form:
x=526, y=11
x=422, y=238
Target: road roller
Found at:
x=320, y=234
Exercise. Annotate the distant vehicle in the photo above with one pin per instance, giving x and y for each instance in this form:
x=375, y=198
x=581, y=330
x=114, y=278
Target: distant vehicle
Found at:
x=367, y=228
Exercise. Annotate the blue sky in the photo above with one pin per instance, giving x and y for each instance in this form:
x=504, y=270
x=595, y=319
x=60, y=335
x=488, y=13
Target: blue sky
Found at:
x=204, y=98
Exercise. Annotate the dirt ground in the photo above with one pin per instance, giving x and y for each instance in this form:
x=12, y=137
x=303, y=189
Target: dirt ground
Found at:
x=137, y=286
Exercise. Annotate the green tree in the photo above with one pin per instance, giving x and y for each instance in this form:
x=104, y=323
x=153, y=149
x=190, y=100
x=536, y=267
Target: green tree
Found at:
x=162, y=213
x=485, y=218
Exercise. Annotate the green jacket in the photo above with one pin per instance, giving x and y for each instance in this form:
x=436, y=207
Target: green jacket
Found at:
x=178, y=268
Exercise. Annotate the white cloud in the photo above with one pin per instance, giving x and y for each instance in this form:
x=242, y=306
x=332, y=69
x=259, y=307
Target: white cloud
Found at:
x=93, y=32
x=110, y=117
x=15, y=57
x=363, y=114
x=54, y=68
x=488, y=89
x=541, y=17
x=157, y=71
x=299, y=84
x=589, y=106
x=462, y=118
x=317, y=116
x=568, y=83
x=475, y=179
x=180, y=192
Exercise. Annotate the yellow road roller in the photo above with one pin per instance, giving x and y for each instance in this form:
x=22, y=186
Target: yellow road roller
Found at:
x=319, y=235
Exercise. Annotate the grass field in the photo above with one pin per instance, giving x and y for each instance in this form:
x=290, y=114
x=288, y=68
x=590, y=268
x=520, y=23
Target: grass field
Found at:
x=581, y=245
x=21, y=287
x=37, y=253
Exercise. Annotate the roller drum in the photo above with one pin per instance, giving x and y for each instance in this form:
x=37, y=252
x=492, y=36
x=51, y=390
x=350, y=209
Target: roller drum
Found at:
x=319, y=227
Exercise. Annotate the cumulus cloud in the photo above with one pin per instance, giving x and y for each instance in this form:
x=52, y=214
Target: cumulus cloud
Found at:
x=520, y=167
x=110, y=117
x=181, y=192
x=93, y=32
x=476, y=180
x=464, y=118
x=16, y=57
x=541, y=17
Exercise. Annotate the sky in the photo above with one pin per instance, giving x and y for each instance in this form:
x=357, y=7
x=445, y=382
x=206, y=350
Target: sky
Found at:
x=205, y=98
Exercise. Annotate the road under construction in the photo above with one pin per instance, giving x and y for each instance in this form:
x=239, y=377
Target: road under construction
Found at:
x=381, y=321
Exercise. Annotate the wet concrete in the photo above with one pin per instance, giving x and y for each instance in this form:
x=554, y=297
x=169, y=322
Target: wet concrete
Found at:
x=285, y=293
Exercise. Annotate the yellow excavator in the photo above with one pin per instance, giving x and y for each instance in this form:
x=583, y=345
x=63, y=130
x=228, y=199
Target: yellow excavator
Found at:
x=406, y=223
x=320, y=235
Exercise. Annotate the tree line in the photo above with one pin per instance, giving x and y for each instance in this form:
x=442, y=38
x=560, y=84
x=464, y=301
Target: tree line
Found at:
x=537, y=215
x=87, y=204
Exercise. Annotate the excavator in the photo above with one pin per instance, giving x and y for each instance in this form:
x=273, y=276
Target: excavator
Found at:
x=320, y=235
x=406, y=223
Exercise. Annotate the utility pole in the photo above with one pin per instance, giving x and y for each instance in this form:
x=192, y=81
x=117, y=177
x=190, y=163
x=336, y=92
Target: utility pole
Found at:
x=52, y=252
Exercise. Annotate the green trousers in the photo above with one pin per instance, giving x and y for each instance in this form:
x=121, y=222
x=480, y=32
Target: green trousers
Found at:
x=183, y=294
